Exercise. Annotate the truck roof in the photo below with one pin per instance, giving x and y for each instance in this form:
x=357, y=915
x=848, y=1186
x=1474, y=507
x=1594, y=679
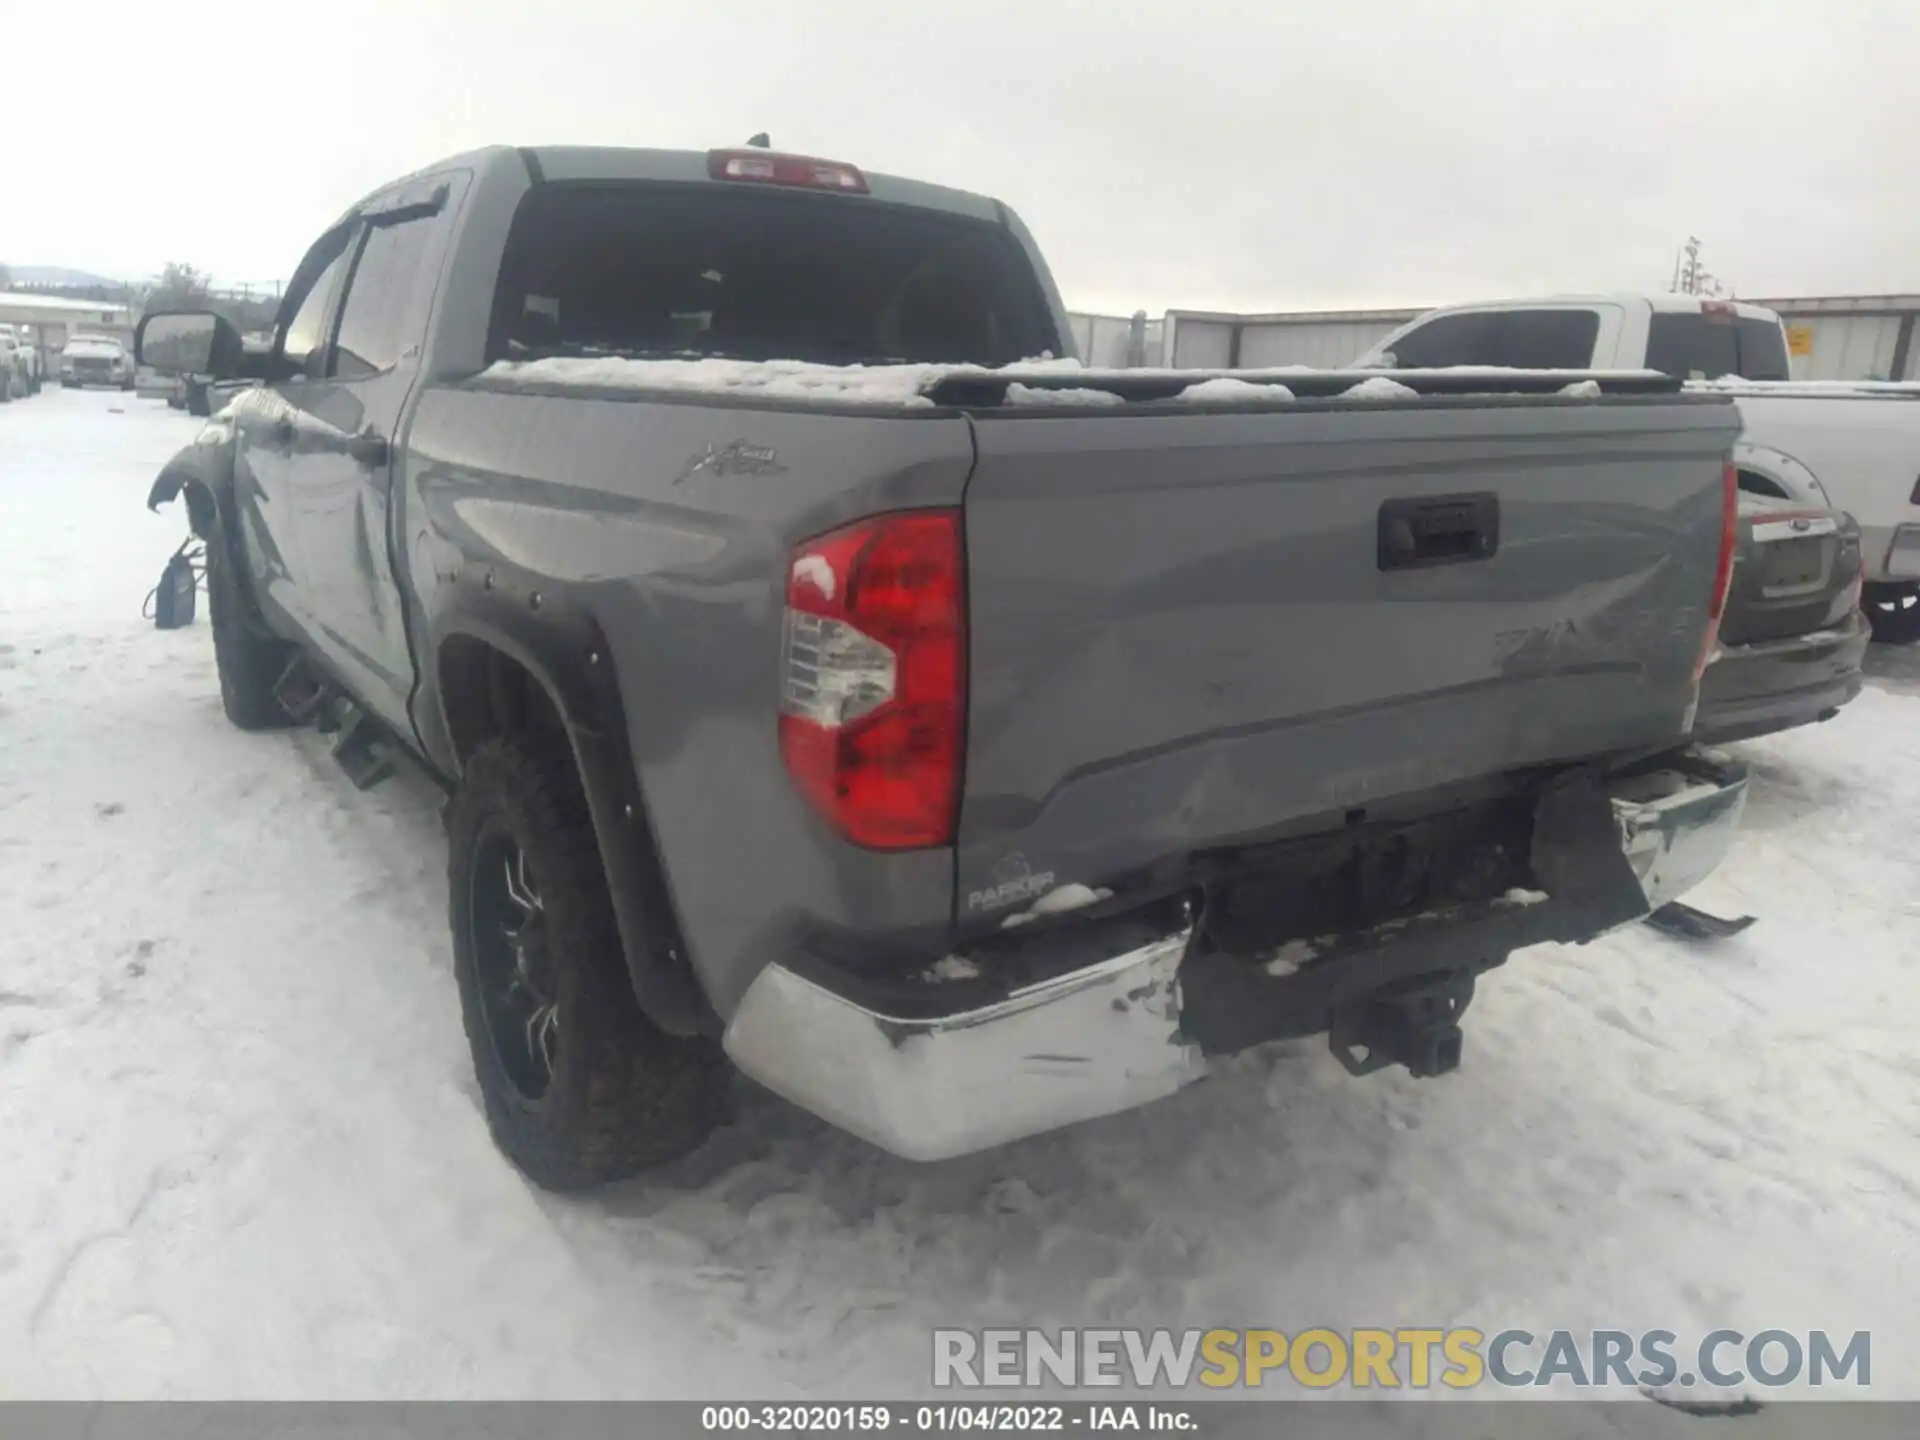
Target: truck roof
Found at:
x=1660, y=302
x=617, y=163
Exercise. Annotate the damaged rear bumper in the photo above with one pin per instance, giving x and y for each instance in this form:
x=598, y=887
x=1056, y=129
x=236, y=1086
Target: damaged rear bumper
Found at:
x=1088, y=1043
x=1136, y=1024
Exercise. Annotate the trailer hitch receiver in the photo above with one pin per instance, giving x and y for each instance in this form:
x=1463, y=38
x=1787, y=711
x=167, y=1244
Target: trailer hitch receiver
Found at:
x=1415, y=1025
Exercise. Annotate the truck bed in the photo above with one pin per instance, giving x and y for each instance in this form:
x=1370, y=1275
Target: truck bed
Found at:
x=1192, y=630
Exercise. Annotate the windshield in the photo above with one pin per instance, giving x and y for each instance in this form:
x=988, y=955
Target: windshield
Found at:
x=636, y=269
x=106, y=349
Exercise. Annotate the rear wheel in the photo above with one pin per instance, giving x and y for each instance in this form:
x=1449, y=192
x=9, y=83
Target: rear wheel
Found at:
x=249, y=662
x=579, y=1086
x=1894, y=613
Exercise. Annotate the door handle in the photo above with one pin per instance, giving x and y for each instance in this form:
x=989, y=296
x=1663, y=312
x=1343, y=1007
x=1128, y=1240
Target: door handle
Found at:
x=280, y=434
x=1441, y=530
x=369, y=448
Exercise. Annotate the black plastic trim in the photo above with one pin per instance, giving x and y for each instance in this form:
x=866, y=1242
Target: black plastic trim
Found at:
x=556, y=646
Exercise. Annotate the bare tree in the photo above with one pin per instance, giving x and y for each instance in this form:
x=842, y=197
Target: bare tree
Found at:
x=180, y=287
x=1690, y=277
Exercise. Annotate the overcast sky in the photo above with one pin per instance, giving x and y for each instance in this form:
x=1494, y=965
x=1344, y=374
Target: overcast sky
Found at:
x=1229, y=154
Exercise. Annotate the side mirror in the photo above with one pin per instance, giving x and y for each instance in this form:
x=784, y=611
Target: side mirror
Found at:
x=188, y=342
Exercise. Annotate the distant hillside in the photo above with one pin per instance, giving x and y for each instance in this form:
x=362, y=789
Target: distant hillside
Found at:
x=64, y=275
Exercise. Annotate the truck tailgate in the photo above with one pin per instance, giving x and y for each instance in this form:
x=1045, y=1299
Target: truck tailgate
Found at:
x=1194, y=629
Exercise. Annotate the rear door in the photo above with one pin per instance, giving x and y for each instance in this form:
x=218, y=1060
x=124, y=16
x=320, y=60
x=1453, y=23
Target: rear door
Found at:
x=349, y=418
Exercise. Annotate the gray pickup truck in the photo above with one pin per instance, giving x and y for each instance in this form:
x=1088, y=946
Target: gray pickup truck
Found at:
x=962, y=744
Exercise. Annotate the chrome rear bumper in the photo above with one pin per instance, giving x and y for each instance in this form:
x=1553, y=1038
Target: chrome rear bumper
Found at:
x=1092, y=1042
x=1676, y=834
x=1106, y=1037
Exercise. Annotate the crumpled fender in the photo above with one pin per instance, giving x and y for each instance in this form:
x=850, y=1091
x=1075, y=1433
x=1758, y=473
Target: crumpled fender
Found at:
x=203, y=472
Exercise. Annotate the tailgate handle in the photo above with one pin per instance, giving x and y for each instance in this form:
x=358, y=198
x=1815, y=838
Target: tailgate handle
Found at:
x=1439, y=530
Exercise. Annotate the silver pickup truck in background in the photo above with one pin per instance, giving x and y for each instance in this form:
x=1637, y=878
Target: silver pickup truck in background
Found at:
x=959, y=742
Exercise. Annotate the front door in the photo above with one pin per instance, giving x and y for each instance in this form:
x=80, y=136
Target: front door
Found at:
x=268, y=434
x=346, y=463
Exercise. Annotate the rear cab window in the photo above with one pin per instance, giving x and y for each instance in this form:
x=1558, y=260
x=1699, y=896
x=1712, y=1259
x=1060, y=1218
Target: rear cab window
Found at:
x=1705, y=345
x=650, y=269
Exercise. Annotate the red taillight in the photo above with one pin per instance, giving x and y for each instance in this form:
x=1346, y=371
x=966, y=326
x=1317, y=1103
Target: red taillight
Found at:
x=1723, y=572
x=768, y=167
x=873, y=684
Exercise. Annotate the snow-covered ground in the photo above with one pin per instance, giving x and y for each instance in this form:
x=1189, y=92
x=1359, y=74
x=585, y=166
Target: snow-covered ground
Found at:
x=241, y=1155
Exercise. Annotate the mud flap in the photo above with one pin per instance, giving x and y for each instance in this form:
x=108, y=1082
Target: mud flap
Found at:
x=1675, y=918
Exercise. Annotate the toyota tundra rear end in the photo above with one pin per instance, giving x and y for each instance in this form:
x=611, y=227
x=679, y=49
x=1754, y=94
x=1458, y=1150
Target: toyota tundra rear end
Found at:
x=978, y=745
x=1243, y=720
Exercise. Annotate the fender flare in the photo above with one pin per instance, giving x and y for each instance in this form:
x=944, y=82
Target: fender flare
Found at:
x=1792, y=476
x=202, y=474
x=567, y=657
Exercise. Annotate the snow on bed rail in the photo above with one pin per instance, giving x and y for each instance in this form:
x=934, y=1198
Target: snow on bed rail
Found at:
x=781, y=379
x=1809, y=389
x=1039, y=383
x=1382, y=387
x=1019, y=394
x=1228, y=387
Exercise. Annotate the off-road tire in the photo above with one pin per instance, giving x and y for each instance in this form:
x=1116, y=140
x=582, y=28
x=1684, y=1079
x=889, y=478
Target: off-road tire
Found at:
x=248, y=662
x=623, y=1095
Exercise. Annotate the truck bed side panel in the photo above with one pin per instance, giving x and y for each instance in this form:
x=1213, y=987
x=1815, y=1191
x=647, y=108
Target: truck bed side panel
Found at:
x=1181, y=633
x=637, y=516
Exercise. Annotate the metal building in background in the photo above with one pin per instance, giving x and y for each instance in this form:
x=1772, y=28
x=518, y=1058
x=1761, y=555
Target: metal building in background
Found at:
x=1835, y=337
x=1851, y=337
x=1117, y=342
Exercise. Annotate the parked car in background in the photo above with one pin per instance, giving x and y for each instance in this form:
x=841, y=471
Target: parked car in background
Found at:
x=13, y=370
x=1852, y=446
x=965, y=747
x=96, y=360
x=23, y=357
x=1793, y=638
x=1848, y=446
